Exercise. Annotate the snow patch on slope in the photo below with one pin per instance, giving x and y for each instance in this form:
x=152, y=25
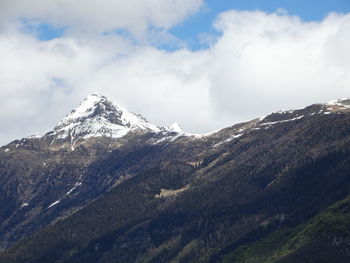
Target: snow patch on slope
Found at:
x=281, y=121
x=74, y=187
x=337, y=106
x=345, y=102
x=231, y=138
x=54, y=203
x=78, y=183
x=24, y=205
x=175, y=127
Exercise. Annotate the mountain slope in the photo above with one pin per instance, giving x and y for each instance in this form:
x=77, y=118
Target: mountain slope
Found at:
x=324, y=238
x=46, y=178
x=210, y=198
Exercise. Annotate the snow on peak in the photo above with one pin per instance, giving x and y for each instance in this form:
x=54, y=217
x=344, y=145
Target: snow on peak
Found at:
x=86, y=107
x=175, y=127
x=98, y=116
x=340, y=102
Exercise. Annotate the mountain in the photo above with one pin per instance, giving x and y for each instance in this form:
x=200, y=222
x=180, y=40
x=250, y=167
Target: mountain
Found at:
x=107, y=186
x=44, y=178
x=98, y=116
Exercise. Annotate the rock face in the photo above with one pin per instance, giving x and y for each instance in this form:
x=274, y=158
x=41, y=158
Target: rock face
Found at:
x=107, y=186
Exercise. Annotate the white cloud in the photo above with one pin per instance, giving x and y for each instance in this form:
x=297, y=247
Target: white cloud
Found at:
x=269, y=61
x=102, y=15
x=261, y=63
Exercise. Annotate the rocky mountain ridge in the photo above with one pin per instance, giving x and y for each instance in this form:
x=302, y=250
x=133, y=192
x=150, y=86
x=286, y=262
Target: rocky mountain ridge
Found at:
x=168, y=177
x=97, y=116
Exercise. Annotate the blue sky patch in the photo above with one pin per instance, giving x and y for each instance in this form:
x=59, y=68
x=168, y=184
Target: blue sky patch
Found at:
x=200, y=24
x=43, y=31
x=197, y=31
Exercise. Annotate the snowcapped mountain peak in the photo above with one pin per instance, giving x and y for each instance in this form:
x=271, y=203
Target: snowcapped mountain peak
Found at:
x=175, y=127
x=98, y=116
x=86, y=107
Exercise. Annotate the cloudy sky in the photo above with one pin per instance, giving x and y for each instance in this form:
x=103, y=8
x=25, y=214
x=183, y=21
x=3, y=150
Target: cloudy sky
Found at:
x=202, y=63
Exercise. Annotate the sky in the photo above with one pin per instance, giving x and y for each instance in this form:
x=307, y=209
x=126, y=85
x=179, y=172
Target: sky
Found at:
x=205, y=64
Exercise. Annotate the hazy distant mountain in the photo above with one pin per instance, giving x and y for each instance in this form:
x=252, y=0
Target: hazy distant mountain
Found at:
x=108, y=186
